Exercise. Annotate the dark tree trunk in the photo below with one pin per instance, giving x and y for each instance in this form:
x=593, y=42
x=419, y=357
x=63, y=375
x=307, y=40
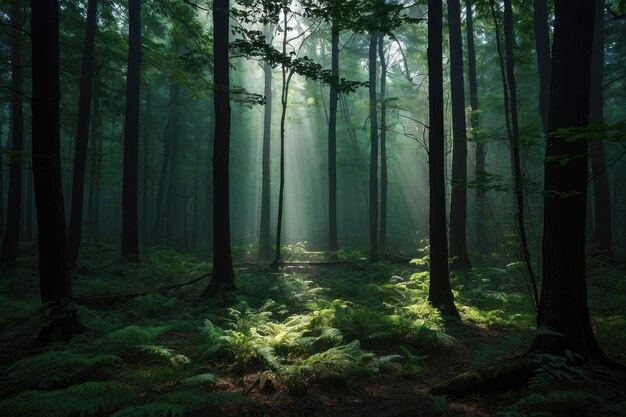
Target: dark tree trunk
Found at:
x=373, y=204
x=264, y=235
x=1, y=181
x=94, y=169
x=440, y=291
x=28, y=227
x=515, y=143
x=223, y=276
x=145, y=180
x=82, y=134
x=603, y=220
x=54, y=274
x=458, y=201
x=173, y=196
x=542, y=46
x=333, y=244
x=195, y=197
x=479, y=172
x=130, y=233
x=162, y=188
x=563, y=307
x=10, y=243
x=383, y=142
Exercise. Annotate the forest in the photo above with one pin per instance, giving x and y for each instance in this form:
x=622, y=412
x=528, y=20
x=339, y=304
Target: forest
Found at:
x=312, y=208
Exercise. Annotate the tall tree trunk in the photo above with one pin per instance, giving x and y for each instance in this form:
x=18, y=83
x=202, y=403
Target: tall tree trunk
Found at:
x=480, y=156
x=172, y=196
x=563, y=307
x=163, y=187
x=196, y=210
x=145, y=180
x=603, y=220
x=130, y=233
x=458, y=201
x=1, y=178
x=264, y=235
x=286, y=79
x=440, y=291
x=82, y=134
x=515, y=144
x=542, y=46
x=383, y=142
x=223, y=276
x=333, y=244
x=96, y=164
x=373, y=200
x=10, y=243
x=54, y=277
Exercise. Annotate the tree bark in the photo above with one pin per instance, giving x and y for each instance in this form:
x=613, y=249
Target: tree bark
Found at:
x=563, y=307
x=518, y=179
x=603, y=220
x=130, y=233
x=383, y=142
x=542, y=46
x=480, y=155
x=82, y=135
x=223, y=276
x=333, y=244
x=373, y=194
x=264, y=237
x=10, y=243
x=458, y=201
x=440, y=291
x=54, y=277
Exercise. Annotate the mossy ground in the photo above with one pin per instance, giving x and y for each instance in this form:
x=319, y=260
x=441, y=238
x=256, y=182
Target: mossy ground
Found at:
x=344, y=339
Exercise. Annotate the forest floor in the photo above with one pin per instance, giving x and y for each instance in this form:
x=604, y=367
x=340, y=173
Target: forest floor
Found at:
x=349, y=339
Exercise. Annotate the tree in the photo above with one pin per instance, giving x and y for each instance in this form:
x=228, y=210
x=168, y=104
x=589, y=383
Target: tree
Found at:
x=542, y=46
x=264, y=238
x=603, y=220
x=10, y=243
x=480, y=155
x=333, y=243
x=82, y=135
x=54, y=277
x=440, y=291
x=373, y=200
x=130, y=191
x=458, y=201
x=383, y=141
x=223, y=276
x=563, y=303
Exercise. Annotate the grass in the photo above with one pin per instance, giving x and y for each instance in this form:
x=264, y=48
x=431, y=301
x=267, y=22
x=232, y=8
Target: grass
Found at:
x=176, y=354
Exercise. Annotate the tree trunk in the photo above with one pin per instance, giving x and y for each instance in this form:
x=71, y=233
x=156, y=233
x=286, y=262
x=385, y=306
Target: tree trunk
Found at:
x=264, y=235
x=563, y=307
x=440, y=291
x=458, y=201
x=163, y=188
x=223, y=276
x=53, y=270
x=480, y=156
x=82, y=134
x=145, y=180
x=10, y=243
x=373, y=201
x=383, y=142
x=515, y=143
x=96, y=159
x=542, y=46
x=603, y=220
x=1, y=179
x=130, y=236
x=333, y=244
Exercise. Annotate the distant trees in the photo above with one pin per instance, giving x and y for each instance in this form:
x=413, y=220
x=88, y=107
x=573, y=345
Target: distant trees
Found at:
x=8, y=253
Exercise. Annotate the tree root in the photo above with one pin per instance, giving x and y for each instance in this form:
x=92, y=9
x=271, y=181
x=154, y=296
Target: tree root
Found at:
x=508, y=374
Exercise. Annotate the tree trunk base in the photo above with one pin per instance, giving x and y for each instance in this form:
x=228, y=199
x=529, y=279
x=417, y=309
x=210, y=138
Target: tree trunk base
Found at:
x=63, y=324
